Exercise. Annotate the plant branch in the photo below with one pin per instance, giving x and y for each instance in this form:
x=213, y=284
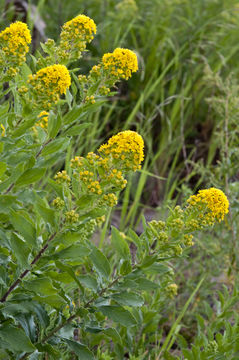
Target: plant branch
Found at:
x=43, y=146
x=25, y=272
x=73, y=316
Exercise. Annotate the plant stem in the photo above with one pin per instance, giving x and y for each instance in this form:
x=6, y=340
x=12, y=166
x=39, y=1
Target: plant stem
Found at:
x=73, y=316
x=25, y=272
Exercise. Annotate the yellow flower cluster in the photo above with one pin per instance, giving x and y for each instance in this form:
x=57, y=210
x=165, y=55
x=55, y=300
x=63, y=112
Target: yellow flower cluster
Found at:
x=110, y=200
x=213, y=202
x=127, y=146
x=77, y=162
x=71, y=216
x=58, y=203
x=172, y=290
x=121, y=63
x=116, y=179
x=43, y=120
x=49, y=83
x=62, y=177
x=14, y=41
x=76, y=33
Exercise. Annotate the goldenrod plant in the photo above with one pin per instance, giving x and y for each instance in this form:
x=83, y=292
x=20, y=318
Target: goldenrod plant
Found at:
x=63, y=295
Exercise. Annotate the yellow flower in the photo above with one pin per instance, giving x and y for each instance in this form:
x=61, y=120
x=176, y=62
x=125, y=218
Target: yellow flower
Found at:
x=48, y=84
x=76, y=33
x=14, y=41
x=215, y=201
x=127, y=147
x=121, y=63
x=43, y=120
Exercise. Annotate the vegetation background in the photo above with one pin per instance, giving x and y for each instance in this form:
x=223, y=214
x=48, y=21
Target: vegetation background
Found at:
x=183, y=101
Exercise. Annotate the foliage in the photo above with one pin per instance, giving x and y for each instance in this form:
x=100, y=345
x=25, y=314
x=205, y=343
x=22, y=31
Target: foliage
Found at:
x=68, y=289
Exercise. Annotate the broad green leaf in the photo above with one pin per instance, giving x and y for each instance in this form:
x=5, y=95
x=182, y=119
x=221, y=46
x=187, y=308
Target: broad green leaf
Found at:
x=24, y=227
x=55, y=146
x=73, y=252
x=119, y=315
x=134, y=237
x=54, y=124
x=120, y=244
x=30, y=176
x=24, y=127
x=20, y=250
x=54, y=301
x=48, y=349
x=89, y=281
x=100, y=262
x=3, y=168
x=128, y=299
x=16, y=338
x=42, y=286
x=145, y=284
x=7, y=201
x=70, y=272
x=77, y=129
x=125, y=267
x=72, y=115
x=79, y=349
x=47, y=214
x=113, y=334
x=16, y=173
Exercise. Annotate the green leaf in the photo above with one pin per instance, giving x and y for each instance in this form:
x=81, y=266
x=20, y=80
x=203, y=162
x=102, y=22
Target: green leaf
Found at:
x=48, y=349
x=3, y=168
x=69, y=271
x=16, y=338
x=54, y=301
x=20, y=250
x=16, y=173
x=79, y=349
x=134, y=238
x=47, y=214
x=40, y=286
x=89, y=281
x=113, y=334
x=24, y=227
x=31, y=176
x=77, y=129
x=72, y=115
x=54, y=124
x=24, y=127
x=128, y=299
x=7, y=201
x=120, y=244
x=100, y=262
x=145, y=284
x=119, y=315
x=55, y=146
x=73, y=252
x=126, y=267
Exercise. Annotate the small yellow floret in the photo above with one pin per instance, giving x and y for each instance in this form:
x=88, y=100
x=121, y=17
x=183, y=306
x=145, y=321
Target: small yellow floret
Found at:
x=121, y=63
